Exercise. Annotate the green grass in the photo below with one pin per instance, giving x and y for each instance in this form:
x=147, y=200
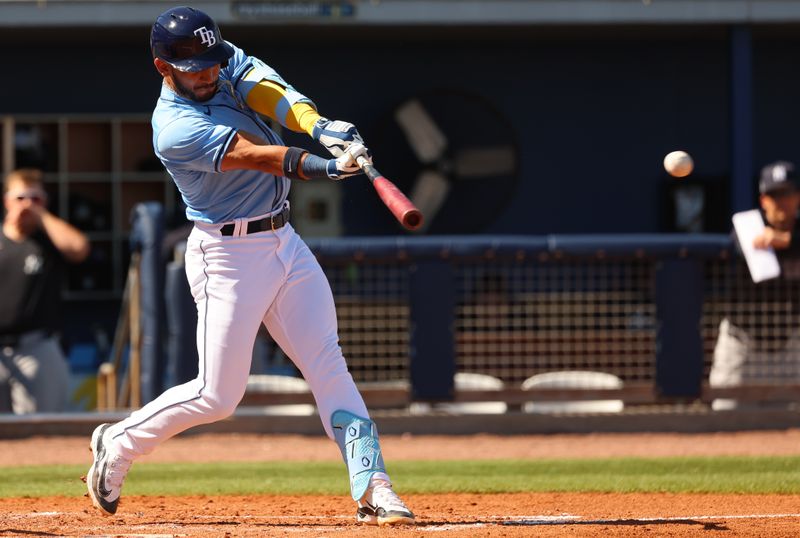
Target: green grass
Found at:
x=698, y=475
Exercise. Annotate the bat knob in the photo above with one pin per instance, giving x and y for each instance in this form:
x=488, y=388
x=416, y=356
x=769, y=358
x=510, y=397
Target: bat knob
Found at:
x=412, y=219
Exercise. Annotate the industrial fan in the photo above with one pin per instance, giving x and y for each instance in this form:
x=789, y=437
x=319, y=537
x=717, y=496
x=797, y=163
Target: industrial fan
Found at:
x=454, y=154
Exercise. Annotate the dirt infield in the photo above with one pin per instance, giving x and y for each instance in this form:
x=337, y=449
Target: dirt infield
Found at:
x=510, y=515
x=453, y=515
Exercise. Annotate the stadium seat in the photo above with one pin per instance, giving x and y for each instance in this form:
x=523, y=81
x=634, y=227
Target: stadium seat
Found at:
x=573, y=379
x=465, y=381
x=281, y=383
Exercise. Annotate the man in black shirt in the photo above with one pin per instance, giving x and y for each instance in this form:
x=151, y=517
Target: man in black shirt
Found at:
x=34, y=245
x=759, y=340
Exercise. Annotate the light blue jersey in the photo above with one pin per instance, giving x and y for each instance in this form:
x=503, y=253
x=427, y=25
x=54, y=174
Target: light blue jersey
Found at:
x=191, y=139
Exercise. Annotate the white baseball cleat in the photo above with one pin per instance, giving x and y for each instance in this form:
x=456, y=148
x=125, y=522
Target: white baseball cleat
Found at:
x=381, y=506
x=106, y=474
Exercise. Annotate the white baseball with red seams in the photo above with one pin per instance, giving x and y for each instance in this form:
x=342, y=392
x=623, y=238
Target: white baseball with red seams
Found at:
x=678, y=163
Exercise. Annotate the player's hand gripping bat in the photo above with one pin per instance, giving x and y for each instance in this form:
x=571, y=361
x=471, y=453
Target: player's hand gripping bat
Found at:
x=397, y=202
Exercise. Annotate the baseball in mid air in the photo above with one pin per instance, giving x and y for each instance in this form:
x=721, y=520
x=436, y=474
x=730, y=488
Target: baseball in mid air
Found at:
x=678, y=164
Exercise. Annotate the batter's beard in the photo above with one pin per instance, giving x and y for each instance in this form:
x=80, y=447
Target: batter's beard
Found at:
x=185, y=92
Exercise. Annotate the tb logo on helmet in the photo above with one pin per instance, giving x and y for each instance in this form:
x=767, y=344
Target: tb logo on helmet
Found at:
x=207, y=37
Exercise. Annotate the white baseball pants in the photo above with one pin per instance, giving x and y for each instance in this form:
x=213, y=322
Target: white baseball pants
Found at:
x=239, y=282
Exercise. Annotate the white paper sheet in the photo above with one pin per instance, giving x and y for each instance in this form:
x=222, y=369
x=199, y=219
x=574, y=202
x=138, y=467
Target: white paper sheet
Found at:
x=762, y=263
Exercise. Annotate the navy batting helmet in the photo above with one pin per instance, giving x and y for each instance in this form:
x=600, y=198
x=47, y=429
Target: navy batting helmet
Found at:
x=188, y=40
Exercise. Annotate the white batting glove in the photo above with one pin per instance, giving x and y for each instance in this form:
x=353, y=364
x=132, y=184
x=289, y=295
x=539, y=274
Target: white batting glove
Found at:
x=346, y=165
x=336, y=135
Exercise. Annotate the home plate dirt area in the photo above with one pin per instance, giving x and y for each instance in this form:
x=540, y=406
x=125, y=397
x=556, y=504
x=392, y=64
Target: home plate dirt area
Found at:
x=493, y=515
x=506, y=515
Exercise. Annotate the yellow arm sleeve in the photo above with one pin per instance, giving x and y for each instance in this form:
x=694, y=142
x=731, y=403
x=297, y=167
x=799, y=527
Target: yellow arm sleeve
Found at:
x=304, y=116
x=270, y=99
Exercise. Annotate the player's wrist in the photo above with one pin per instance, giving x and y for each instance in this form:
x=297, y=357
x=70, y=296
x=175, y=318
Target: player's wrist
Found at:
x=315, y=167
x=293, y=163
x=300, y=164
x=318, y=127
x=307, y=117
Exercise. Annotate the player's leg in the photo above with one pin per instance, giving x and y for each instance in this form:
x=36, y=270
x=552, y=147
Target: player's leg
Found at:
x=302, y=320
x=730, y=355
x=229, y=289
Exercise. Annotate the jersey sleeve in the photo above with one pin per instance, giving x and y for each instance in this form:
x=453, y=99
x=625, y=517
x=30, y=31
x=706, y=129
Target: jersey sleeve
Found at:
x=266, y=92
x=260, y=71
x=193, y=144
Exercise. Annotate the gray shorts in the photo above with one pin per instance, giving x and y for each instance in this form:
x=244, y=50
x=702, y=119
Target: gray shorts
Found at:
x=34, y=375
x=738, y=361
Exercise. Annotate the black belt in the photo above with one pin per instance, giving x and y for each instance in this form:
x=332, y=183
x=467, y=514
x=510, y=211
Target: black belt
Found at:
x=273, y=222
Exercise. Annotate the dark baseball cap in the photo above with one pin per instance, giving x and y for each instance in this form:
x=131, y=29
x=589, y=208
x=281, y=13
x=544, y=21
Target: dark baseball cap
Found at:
x=778, y=177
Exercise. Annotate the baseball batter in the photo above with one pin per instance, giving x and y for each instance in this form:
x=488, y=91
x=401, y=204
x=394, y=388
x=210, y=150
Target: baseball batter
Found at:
x=244, y=262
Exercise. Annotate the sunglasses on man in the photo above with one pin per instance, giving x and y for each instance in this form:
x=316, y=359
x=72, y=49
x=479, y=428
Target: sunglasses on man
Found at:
x=37, y=197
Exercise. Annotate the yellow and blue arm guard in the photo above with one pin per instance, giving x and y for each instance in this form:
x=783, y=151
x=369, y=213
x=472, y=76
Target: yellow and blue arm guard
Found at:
x=283, y=104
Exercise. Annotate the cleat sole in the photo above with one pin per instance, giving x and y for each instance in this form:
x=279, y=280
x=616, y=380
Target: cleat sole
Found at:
x=396, y=520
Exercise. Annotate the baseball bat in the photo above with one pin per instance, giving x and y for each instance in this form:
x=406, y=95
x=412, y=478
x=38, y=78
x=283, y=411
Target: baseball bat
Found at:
x=397, y=202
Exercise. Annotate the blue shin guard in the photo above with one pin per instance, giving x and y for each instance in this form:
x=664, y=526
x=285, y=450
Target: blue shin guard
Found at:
x=357, y=438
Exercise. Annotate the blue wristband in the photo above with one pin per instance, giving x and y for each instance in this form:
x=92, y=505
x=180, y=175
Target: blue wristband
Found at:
x=316, y=167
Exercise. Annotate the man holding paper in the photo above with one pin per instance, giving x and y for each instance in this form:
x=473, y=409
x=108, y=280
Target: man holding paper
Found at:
x=756, y=342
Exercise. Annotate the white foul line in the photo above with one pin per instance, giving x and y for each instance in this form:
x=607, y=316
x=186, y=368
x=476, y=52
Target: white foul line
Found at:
x=569, y=519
